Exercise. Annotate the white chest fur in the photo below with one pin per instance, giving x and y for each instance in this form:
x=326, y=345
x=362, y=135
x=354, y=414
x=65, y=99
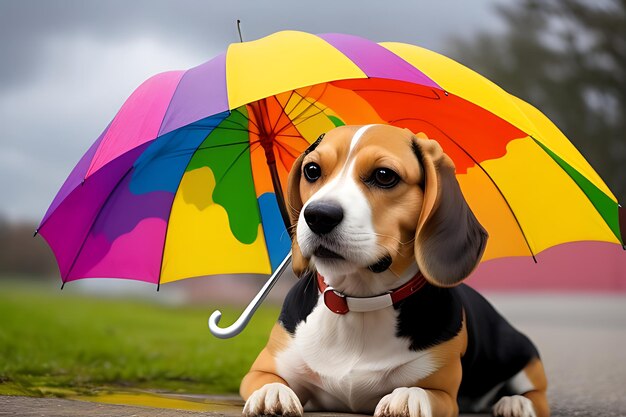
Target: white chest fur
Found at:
x=349, y=362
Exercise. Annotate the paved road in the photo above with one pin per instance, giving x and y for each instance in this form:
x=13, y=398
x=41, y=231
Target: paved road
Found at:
x=54, y=407
x=582, y=340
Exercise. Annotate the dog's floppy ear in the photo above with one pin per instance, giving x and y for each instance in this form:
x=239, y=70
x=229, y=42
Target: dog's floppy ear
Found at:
x=299, y=263
x=449, y=240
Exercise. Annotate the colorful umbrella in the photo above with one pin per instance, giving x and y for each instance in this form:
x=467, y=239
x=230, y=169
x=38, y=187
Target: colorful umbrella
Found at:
x=188, y=179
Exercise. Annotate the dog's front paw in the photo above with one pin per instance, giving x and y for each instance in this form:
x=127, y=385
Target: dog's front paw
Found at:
x=514, y=406
x=404, y=402
x=273, y=400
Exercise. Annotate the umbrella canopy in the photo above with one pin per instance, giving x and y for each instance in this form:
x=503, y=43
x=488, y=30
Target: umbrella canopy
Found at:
x=188, y=179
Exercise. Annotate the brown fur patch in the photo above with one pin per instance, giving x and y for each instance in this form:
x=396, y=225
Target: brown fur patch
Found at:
x=443, y=385
x=536, y=375
x=263, y=370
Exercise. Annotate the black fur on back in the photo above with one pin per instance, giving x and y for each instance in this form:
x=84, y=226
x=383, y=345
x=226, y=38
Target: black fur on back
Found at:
x=496, y=351
x=431, y=316
x=300, y=301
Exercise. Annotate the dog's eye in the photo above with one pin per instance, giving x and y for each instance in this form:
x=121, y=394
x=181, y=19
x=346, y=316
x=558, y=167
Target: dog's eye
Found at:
x=384, y=178
x=312, y=172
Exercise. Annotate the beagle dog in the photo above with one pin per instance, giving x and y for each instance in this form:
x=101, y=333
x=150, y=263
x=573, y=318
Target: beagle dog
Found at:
x=379, y=321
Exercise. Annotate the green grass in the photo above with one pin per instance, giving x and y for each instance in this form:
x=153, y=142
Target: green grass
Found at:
x=52, y=342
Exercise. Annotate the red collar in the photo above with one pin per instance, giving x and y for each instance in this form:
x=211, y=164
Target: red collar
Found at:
x=340, y=303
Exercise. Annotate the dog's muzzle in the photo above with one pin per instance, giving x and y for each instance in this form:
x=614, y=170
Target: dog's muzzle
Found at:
x=323, y=216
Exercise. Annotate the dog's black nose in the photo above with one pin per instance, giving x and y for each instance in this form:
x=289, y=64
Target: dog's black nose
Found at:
x=323, y=216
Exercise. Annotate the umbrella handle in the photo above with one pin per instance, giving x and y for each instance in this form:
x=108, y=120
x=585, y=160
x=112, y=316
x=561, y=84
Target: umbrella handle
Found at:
x=237, y=327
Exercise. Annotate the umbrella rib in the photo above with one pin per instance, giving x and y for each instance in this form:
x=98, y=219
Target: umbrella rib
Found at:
x=202, y=148
x=106, y=200
x=315, y=101
x=302, y=98
x=507, y=204
x=239, y=126
x=295, y=122
x=283, y=147
x=222, y=145
x=490, y=179
x=291, y=149
x=285, y=135
x=283, y=109
x=312, y=103
x=236, y=160
x=545, y=150
x=280, y=155
x=235, y=129
x=437, y=96
x=247, y=118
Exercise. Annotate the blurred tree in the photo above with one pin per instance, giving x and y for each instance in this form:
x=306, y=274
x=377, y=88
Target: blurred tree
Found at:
x=568, y=59
x=21, y=254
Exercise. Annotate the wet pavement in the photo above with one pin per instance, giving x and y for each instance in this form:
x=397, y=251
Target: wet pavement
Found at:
x=581, y=338
x=56, y=407
x=161, y=406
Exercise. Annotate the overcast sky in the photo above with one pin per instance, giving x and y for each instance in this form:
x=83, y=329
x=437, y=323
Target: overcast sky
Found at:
x=67, y=66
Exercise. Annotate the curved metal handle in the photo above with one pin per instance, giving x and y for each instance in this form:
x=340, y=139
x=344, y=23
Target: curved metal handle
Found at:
x=240, y=324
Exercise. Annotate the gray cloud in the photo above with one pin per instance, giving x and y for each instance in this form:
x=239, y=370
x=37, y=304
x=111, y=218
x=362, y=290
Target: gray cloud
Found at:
x=209, y=26
x=67, y=66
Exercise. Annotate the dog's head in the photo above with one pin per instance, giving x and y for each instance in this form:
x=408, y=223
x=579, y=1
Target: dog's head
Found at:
x=378, y=197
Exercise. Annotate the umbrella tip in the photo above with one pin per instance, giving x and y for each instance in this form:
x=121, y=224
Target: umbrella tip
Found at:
x=62, y=285
x=36, y=232
x=239, y=30
x=158, y=286
x=535, y=259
